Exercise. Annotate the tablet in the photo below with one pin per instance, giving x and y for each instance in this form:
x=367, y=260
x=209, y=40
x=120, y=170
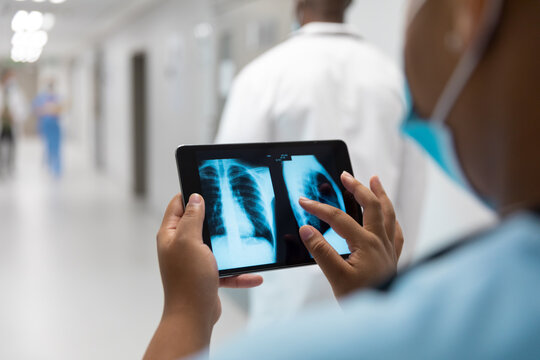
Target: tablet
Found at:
x=251, y=194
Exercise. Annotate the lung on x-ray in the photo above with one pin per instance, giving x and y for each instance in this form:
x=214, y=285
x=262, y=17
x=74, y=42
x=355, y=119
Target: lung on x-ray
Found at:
x=239, y=212
x=305, y=176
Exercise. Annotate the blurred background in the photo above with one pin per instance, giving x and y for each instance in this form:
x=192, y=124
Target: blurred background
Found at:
x=128, y=81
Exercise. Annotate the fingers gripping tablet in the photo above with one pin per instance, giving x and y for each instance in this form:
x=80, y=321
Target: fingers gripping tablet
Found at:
x=252, y=192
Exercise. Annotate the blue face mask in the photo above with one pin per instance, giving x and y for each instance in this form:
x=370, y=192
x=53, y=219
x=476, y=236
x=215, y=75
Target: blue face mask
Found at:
x=433, y=134
x=436, y=139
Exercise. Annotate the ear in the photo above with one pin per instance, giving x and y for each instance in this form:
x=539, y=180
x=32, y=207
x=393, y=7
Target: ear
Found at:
x=467, y=22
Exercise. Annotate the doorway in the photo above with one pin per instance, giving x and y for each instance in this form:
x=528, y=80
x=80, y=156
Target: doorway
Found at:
x=138, y=65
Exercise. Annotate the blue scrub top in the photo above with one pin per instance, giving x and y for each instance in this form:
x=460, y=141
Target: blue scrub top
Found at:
x=478, y=301
x=43, y=99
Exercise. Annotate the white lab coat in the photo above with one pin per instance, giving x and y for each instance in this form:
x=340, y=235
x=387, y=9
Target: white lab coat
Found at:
x=325, y=82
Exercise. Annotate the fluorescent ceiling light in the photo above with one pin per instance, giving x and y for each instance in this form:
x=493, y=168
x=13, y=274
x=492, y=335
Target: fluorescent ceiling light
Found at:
x=18, y=23
x=34, y=21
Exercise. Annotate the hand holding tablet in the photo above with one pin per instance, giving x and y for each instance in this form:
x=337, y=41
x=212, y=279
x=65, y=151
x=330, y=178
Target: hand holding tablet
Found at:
x=252, y=193
x=233, y=179
x=375, y=248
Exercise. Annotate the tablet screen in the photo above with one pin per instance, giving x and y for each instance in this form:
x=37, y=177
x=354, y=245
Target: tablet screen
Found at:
x=251, y=194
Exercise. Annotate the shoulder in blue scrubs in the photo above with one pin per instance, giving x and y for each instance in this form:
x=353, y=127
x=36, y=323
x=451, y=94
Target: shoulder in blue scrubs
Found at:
x=480, y=300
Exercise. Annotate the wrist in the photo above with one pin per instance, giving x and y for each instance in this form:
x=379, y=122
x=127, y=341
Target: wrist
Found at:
x=191, y=328
x=193, y=315
x=178, y=335
x=196, y=307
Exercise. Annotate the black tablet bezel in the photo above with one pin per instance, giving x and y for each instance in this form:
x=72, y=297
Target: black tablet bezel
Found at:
x=187, y=164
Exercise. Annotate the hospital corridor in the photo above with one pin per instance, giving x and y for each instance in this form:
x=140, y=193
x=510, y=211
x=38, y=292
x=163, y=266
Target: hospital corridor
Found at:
x=78, y=263
x=95, y=98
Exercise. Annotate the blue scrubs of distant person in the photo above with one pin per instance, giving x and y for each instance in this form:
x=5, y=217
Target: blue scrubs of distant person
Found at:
x=47, y=106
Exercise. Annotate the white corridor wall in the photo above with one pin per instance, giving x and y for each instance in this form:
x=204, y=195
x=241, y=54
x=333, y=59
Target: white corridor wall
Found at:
x=179, y=72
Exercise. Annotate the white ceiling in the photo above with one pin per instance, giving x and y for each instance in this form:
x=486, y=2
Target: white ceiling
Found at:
x=82, y=22
x=78, y=22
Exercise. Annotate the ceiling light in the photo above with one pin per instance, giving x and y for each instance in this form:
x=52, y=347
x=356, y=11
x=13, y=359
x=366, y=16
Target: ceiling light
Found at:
x=19, y=39
x=19, y=21
x=29, y=37
x=38, y=39
x=34, y=21
x=25, y=54
x=57, y=1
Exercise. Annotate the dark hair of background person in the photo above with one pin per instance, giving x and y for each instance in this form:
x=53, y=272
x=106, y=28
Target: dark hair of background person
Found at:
x=332, y=11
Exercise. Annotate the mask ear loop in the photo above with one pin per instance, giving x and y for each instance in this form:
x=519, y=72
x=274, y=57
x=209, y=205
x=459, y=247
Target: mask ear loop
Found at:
x=468, y=63
x=460, y=77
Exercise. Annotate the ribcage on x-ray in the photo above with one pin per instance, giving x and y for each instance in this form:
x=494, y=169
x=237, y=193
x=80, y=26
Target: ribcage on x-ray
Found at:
x=318, y=187
x=214, y=208
x=239, y=212
x=247, y=193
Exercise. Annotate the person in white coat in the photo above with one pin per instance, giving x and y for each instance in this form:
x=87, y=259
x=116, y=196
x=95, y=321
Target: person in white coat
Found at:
x=13, y=112
x=325, y=82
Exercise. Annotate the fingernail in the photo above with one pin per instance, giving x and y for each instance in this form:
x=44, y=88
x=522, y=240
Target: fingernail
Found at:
x=306, y=233
x=347, y=178
x=305, y=200
x=195, y=199
x=377, y=180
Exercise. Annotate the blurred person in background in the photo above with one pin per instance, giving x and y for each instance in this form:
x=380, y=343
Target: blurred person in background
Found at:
x=13, y=112
x=48, y=108
x=325, y=82
x=472, y=66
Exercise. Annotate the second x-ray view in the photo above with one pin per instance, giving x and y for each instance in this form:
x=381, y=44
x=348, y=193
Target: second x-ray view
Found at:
x=239, y=212
x=305, y=176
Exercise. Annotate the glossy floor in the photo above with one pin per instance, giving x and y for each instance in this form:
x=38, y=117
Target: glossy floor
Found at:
x=79, y=277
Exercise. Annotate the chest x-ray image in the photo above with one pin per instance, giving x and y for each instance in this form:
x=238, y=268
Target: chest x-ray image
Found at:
x=239, y=212
x=306, y=176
